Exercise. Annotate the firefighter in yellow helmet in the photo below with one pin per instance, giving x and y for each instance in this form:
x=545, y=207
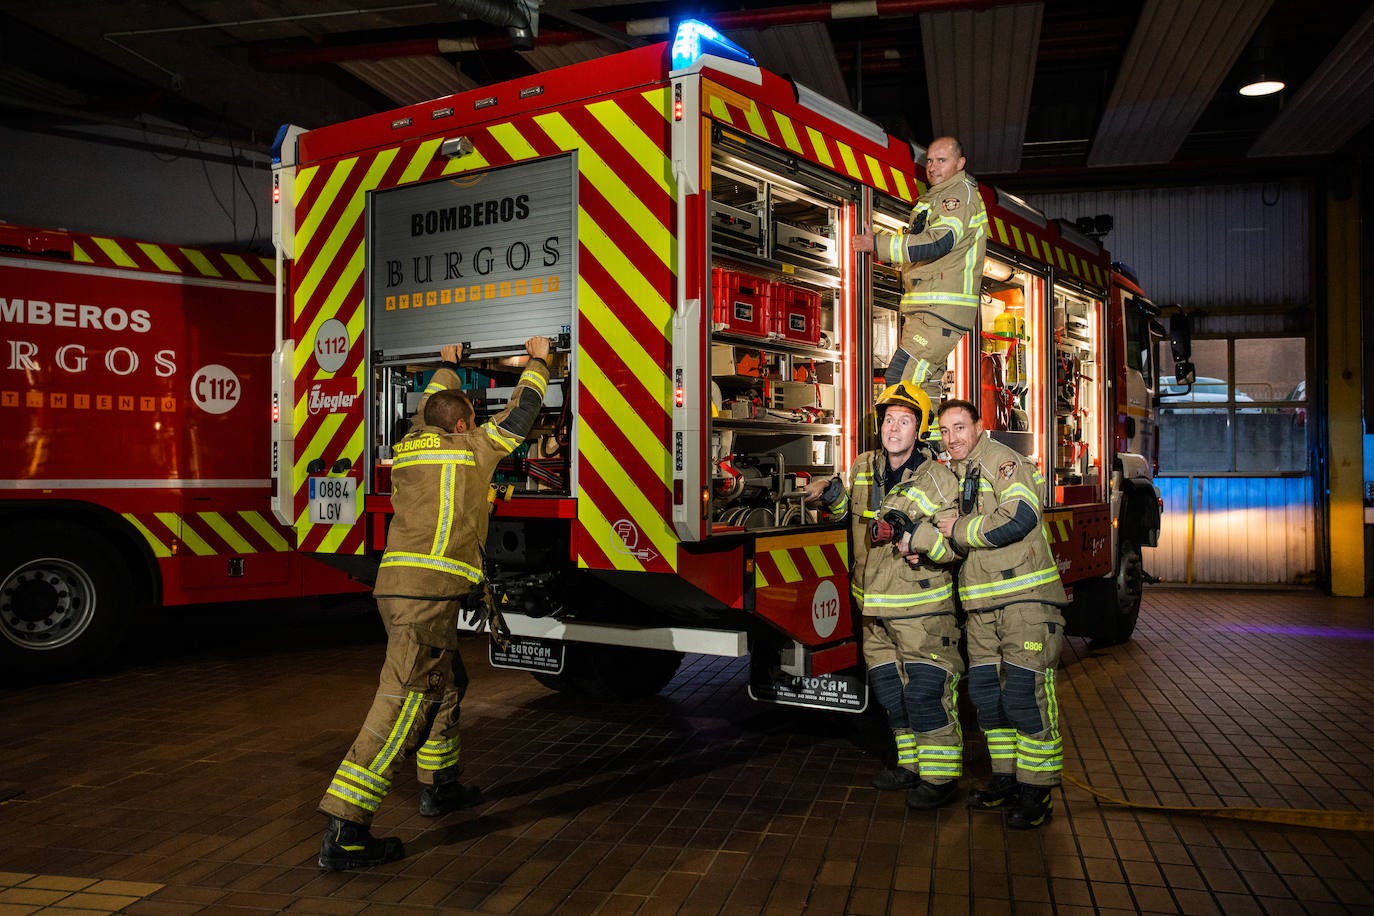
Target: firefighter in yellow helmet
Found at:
x=1009, y=586
x=906, y=594
x=940, y=255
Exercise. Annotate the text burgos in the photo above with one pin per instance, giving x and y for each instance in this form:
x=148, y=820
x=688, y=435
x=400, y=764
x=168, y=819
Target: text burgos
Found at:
x=25, y=355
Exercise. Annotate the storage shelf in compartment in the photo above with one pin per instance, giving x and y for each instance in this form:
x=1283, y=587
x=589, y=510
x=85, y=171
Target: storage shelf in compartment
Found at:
x=782, y=345
x=777, y=426
x=772, y=269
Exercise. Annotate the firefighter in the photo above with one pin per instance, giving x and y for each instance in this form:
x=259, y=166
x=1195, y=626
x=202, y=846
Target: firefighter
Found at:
x=441, y=473
x=940, y=256
x=910, y=633
x=1009, y=586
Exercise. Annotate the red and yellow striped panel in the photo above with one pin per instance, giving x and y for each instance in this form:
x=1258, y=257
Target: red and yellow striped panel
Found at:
x=206, y=534
x=793, y=558
x=626, y=280
x=1033, y=244
x=103, y=251
x=746, y=114
x=1058, y=526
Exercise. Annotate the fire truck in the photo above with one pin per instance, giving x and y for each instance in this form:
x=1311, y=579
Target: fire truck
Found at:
x=679, y=220
x=134, y=389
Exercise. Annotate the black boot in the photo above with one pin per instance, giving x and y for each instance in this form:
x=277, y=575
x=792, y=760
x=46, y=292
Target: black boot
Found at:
x=1000, y=790
x=931, y=795
x=894, y=778
x=350, y=845
x=448, y=794
x=1032, y=808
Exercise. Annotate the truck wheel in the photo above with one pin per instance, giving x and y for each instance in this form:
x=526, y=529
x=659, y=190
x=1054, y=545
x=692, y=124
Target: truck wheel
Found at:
x=613, y=672
x=1109, y=608
x=61, y=600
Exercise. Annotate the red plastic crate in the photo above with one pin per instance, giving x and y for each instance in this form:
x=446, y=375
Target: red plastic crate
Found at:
x=796, y=314
x=740, y=302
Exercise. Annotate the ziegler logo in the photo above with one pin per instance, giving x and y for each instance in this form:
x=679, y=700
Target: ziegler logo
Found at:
x=332, y=396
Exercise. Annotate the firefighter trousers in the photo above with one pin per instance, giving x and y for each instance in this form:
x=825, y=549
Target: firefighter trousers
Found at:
x=922, y=354
x=914, y=666
x=415, y=709
x=1012, y=655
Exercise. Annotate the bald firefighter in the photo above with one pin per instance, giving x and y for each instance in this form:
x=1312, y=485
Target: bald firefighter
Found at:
x=1009, y=586
x=940, y=256
x=440, y=473
x=910, y=633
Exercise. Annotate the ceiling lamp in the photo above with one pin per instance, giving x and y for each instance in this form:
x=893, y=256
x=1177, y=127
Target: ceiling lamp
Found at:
x=1262, y=84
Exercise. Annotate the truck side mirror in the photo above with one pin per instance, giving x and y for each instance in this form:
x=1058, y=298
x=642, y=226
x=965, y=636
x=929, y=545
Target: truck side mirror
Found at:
x=1184, y=372
x=1181, y=343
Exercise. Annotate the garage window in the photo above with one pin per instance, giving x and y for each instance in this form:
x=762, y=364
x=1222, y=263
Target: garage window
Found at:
x=1246, y=413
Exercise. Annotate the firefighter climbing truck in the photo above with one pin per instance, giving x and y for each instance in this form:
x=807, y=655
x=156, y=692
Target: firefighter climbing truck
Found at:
x=680, y=220
x=133, y=442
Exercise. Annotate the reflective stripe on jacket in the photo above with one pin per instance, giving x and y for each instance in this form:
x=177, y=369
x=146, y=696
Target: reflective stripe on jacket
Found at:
x=439, y=484
x=941, y=256
x=1007, y=554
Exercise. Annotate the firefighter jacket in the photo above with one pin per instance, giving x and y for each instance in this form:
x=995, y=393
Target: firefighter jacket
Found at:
x=870, y=480
x=439, y=493
x=1000, y=531
x=941, y=253
x=893, y=586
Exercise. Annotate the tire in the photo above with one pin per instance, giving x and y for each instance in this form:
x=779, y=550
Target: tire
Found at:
x=1107, y=610
x=613, y=672
x=64, y=599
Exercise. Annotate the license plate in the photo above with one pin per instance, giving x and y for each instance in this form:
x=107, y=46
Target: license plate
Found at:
x=528, y=653
x=841, y=692
x=332, y=501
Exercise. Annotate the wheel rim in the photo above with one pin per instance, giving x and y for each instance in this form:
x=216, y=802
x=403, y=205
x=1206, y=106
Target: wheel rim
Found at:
x=46, y=604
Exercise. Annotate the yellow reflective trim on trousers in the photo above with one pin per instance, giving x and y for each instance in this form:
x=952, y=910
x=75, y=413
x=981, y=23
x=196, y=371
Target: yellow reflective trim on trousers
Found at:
x=1001, y=743
x=1051, y=700
x=395, y=741
x=1010, y=586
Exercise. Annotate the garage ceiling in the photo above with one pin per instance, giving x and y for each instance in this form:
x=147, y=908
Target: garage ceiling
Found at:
x=1055, y=93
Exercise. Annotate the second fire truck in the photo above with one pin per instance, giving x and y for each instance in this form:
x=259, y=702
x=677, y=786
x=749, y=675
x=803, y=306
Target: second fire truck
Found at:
x=678, y=218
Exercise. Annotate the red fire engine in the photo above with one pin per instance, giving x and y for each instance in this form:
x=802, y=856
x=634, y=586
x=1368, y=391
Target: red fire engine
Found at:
x=681, y=220
x=134, y=386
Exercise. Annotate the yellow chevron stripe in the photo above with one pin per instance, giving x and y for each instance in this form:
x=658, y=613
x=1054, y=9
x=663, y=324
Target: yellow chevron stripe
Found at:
x=159, y=549
x=754, y=119
x=510, y=139
x=643, y=439
x=158, y=257
x=328, y=427
x=1030, y=242
x=201, y=263
x=719, y=110
x=614, y=259
x=642, y=512
x=114, y=252
x=819, y=147
x=265, y=529
x=240, y=267
x=760, y=580
x=610, y=184
x=471, y=162
x=349, y=312
x=789, y=134
x=641, y=147
x=818, y=561
x=424, y=155
x=662, y=100
x=596, y=525
x=876, y=170
x=786, y=568
x=185, y=534
x=850, y=164
x=226, y=531
x=903, y=189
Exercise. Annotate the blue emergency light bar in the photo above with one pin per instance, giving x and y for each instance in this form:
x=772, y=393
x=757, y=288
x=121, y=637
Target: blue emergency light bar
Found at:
x=695, y=39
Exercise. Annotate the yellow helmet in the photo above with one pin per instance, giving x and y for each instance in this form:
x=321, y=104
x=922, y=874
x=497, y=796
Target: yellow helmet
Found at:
x=906, y=394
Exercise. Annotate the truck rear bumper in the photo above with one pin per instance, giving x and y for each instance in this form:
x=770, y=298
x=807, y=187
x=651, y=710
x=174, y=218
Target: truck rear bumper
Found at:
x=728, y=643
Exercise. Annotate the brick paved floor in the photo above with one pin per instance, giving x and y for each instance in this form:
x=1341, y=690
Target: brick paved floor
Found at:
x=187, y=782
